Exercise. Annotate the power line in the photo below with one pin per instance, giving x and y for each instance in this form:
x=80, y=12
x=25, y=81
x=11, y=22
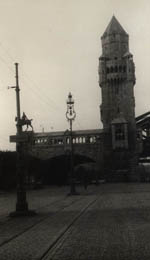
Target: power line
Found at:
x=43, y=99
x=7, y=65
x=29, y=79
x=39, y=88
x=6, y=51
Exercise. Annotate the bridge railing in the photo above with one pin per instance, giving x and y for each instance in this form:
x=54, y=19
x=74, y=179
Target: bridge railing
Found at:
x=64, y=140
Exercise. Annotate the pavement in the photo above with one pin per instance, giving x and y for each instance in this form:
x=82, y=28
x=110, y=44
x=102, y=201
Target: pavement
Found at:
x=105, y=222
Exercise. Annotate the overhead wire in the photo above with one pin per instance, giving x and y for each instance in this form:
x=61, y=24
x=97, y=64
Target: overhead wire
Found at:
x=39, y=88
x=38, y=95
x=28, y=78
x=43, y=99
x=12, y=71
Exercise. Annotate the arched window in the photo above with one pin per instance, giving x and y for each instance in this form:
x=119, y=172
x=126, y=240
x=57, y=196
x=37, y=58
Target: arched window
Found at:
x=119, y=132
x=91, y=139
x=116, y=69
x=124, y=68
x=80, y=140
x=60, y=141
x=117, y=89
x=111, y=70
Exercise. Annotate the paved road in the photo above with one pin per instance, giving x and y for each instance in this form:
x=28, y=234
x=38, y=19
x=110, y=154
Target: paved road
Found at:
x=108, y=222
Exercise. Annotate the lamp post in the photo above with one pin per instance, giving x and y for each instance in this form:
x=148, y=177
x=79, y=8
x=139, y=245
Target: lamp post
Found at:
x=71, y=115
x=21, y=204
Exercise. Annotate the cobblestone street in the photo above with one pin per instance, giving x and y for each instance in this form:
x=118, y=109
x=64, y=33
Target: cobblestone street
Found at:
x=109, y=221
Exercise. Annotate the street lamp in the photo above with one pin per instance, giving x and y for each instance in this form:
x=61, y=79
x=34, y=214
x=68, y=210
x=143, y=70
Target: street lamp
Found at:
x=71, y=115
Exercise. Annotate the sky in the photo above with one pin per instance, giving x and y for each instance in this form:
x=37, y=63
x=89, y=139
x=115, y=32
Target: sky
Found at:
x=57, y=45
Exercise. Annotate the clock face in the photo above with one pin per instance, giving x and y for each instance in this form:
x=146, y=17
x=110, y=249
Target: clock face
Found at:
x=70, y=114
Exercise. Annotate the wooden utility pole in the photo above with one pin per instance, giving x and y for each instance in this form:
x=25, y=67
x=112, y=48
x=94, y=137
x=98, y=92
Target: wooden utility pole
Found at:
x=21, y=204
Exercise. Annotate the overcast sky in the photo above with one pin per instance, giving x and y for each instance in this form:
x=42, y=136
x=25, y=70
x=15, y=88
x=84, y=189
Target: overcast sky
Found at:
x=57, y=45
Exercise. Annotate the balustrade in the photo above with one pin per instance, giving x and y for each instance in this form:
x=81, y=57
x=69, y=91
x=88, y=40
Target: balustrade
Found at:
x=65, y=140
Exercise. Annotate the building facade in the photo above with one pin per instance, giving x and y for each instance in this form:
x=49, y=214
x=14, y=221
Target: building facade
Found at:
x=117, y=109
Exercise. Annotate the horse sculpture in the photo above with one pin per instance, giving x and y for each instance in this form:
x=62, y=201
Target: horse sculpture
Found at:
x=26, y=121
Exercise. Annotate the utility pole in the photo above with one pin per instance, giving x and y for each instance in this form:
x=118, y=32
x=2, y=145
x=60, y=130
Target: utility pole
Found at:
x=21, y=204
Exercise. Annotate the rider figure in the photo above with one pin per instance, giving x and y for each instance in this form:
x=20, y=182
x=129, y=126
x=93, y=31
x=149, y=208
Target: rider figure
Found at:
x=24, y=117
x=26, y=121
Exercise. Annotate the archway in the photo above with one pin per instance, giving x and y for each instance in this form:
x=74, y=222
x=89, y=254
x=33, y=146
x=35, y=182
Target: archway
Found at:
x=56, y=170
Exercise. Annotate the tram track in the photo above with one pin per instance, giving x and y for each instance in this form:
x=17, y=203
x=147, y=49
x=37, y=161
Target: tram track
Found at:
x=36, y=241
x=63, y=232
x=39, y=217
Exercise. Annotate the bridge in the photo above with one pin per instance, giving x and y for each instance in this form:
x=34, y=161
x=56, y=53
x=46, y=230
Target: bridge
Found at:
x=52, y=144
x=47, y=145
x=86, y=143
x=143, y=126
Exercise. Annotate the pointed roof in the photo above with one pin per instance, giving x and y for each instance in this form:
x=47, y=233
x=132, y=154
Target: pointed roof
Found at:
x=114, y=27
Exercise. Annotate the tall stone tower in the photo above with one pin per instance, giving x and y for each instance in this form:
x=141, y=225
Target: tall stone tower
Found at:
x=117, y=80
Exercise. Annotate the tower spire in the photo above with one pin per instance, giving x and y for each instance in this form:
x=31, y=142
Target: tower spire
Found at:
x=115, y=41
x=114, y=27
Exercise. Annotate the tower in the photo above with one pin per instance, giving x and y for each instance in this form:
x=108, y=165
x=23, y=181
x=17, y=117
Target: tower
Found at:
x=117, y=80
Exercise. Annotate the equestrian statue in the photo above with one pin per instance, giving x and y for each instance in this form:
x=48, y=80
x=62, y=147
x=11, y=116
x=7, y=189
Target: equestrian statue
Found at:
x=25, y=121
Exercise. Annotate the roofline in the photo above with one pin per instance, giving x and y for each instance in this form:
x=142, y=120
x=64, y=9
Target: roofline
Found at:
x=60, y=133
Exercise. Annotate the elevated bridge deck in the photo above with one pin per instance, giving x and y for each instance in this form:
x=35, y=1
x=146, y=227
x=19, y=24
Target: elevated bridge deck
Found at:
x=51, y=144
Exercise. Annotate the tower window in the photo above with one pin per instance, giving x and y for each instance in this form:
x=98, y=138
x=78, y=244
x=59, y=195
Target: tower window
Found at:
x=111, y=70
x=116, y=89
x=116, y=69
x=124, y=68
x=119, y=132
x=120, y=69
